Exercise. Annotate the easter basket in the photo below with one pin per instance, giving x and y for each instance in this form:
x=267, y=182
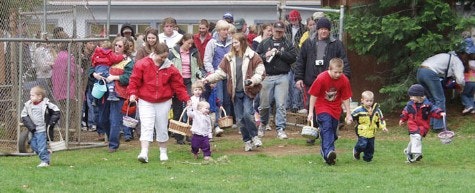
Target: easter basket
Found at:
x=129, y=121
x=225, y=121
x=309, y=131
x=57, y=145
x=179, y=127
x=445, y=136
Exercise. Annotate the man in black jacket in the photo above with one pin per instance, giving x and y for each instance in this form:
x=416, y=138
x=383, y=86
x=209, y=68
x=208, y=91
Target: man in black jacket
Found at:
x=278, y=54
x=315, y=56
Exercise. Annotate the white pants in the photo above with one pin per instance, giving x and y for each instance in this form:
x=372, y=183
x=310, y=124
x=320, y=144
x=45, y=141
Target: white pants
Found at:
x=154, y=115
x=415, y=144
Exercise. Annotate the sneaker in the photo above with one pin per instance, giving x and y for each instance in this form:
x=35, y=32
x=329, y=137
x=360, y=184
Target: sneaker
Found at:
x=93, y=128
x=218, y=131
x=268, y=128
x=248, y=146
x=42, y=165
x=112, y=97
x=281, y=134
x=416, y=157
x=256, y=141
x=408, y=155
x=467, y=110
x=310, y=141
x=302, y=111
x=142, y=158
x=356, y=154
x=163, y=156
x=260, y=131
x=331, y=158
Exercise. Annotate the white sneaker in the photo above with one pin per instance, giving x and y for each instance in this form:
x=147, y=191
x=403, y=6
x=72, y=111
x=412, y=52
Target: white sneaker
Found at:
x=281, y=134
x=42, y=165
x=142, y=158
x=260, y=131
x=163, y=156
x=302, y=111
x=467, y=110
x=268, y=128
x=248, y=146
x=256, y=141
x=218, y=131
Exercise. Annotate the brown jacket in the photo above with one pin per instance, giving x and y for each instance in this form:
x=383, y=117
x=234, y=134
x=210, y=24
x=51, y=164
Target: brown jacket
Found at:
x=252, y=69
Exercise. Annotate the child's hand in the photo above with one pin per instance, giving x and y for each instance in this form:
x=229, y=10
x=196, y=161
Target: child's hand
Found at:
x=348, y=119
x=133, y=98
x=401, y=122
x=443, y=114
x=310, y=116
x=188, y=103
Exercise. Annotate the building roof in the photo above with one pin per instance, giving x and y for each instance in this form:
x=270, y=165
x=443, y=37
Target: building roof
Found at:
x=183, y=2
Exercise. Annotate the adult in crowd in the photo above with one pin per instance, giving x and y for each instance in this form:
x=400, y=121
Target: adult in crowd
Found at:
x=151, y=36
x=63, y=79
x=128, y=131
x=110, y=115
x=169, y=35
x=241, y=26
x=244, y=70
x=43, y=61
x=202, y=38
x=88, y=108
x=264, y=33
x=278, y=54
x=439, y=66
x=187, y=60
x=127, y=31
x=311, y=27
x=315, y=57
x=293, y=32
x=228, y=17
x=214, y=53
x=154, y=81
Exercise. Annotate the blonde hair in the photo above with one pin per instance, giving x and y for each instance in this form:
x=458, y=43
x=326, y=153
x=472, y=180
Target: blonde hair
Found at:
x=222, y=24
x=367, y=95
x=106, y=44
x=202, y=104
x=39, y=91
x=336, y=63
x=198, y=84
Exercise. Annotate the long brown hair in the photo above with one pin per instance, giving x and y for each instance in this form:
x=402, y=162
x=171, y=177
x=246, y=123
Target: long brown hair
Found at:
x=242, y=41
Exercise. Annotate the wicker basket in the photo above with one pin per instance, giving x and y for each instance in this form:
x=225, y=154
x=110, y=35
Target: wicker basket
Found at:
x=446, y=136
x=129, y=121
x=309, y=131
x=179, y=127
x=226, y=121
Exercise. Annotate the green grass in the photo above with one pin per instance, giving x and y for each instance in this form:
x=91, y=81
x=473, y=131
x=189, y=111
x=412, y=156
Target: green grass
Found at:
x=444, y=168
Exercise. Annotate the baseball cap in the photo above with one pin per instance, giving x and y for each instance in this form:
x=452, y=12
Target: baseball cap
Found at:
x=239, y=23
x=279, y=26
x=228, y=16
x=294, y=15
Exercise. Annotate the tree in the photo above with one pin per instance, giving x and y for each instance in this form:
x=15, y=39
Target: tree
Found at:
x=402, y=33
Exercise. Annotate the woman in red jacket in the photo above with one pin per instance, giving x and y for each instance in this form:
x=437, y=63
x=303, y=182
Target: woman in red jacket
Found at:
x=154, y=81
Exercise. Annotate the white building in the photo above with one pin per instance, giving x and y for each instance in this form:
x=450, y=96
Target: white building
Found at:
x=91, y=15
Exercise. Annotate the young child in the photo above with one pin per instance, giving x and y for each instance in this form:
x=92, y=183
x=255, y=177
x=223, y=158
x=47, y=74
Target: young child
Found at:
x=417, y=114
x=102, y=59
x=201, y=129
x=39, y=115
x=330, y=89
x=368, y=118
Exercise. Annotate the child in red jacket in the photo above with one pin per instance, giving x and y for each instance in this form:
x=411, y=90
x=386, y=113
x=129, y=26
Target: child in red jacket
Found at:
x=417, y=114
x=102, y=59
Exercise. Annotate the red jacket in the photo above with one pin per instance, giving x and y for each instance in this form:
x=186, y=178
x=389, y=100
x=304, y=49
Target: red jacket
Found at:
x=201, y=45
x=156, y=84
x=105, y=57
x=418, y=118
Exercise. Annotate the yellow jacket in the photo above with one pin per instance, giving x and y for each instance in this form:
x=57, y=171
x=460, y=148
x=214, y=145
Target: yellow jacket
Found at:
x=368, y=122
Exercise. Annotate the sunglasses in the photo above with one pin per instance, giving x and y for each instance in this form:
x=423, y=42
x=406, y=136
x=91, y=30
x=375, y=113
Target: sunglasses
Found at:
x=120, y=46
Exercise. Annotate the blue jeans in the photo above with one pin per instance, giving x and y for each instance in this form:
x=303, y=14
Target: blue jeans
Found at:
x=38, y=145
x=467, y=95
x=91, y=114
x=295, y=97
x=365, y=145
x=110, y=119
x=245, y=116
x=128, y=132
x=435, y=92
x=328, y=126
x=274, y=88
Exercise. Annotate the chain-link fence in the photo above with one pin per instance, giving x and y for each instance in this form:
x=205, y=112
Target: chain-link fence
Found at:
x=42, y=44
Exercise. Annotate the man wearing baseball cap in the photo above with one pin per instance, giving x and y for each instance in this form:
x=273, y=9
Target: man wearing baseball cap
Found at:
x=241, y=26
x=315, y=56
x=278, y=54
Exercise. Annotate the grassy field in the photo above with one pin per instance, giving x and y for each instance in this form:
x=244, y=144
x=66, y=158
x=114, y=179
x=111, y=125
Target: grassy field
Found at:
x=279, y=166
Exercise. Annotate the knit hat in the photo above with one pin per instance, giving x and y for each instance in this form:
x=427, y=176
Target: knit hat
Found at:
x=416, y=90
x=317, y=15
x=294, y=15
x=324, y=23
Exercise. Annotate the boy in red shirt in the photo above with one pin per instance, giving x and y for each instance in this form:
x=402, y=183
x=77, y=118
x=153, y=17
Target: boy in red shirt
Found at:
x=330, y=89
x=102, y=59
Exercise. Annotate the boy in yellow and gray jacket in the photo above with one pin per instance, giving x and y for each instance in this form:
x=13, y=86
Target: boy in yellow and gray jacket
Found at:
x=368, y=118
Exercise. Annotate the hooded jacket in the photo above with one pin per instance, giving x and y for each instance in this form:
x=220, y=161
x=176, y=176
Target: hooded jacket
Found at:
x=51, y=115
x=418, y=118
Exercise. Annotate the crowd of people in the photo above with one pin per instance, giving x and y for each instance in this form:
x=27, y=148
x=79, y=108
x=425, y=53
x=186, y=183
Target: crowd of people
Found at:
x=246, y=71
